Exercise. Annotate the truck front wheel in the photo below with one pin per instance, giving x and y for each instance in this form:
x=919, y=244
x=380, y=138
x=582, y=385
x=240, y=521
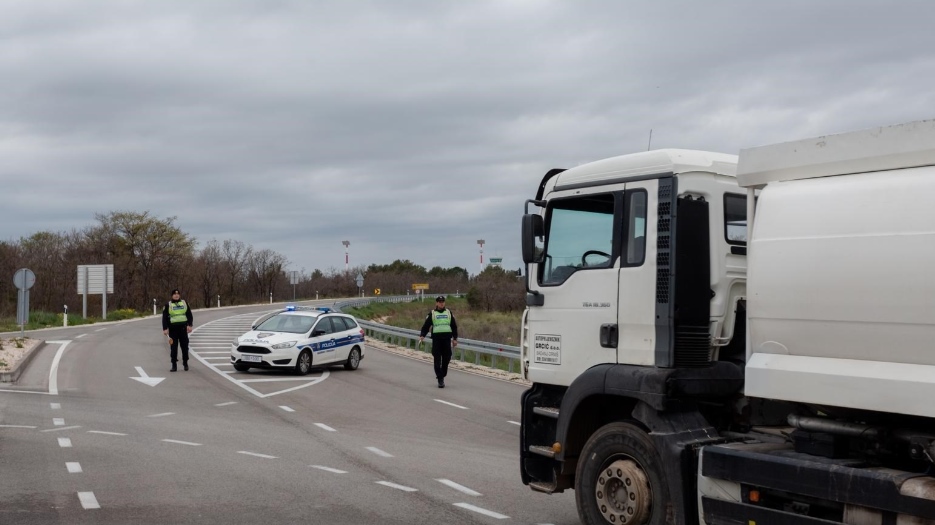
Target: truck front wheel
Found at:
x=619, y=479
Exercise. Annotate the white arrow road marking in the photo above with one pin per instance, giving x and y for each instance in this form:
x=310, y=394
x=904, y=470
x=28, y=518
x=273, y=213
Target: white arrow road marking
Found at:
x=88, y=501
x=53, y=372
x=452, y=404
x=73, y=467
x=264, y=456
x=145, y=379
x=461, y=488
x=479, y=510
x=395, y=486
x=329, y=469
x=379, y=452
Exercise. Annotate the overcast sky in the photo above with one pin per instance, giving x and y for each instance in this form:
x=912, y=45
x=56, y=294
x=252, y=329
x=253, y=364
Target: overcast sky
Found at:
x=412, y=128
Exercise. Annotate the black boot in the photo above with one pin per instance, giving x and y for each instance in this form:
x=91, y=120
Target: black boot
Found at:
x=441, y=383
x=173, y=368
x=185, y=366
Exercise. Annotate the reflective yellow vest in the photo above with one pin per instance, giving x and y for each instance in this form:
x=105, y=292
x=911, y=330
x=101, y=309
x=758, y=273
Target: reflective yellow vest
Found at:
x=177, y=312
x=441, y=322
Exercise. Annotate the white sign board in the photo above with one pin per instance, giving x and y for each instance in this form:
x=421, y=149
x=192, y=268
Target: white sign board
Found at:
x=548, y=349
x=95, y=277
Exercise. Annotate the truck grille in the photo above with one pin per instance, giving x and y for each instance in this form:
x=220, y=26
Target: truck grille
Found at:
x=692, y=347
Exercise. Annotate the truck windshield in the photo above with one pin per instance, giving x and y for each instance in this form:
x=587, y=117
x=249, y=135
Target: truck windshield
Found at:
x=580, y=235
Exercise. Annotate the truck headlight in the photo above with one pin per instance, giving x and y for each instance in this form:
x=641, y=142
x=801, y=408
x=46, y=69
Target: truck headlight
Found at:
x=287, y=344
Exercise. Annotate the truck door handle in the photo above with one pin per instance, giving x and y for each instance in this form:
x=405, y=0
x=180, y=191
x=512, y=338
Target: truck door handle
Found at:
x=609, y=335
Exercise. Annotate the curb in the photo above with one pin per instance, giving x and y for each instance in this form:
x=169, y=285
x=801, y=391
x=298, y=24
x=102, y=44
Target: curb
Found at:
x=13, y=375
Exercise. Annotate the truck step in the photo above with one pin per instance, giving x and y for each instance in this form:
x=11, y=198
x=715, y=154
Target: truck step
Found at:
x=542, y=451
x=540, y=486
x=551, y=412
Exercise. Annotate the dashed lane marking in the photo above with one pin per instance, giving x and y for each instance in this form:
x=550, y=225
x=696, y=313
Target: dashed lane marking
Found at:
x=396, y=486
x=459, y=487
x=379, y=452
x=88, y=501
x=64, y=442
x=229, y=403
x=287, y=409
x=60, y=428
x=254, y=454
x=325, y=427
x=485, y=512
x=189, y=443
x=517, y=423
x=73, y=467
x=163, y=414
x=452, y=404
x=329, y=469
x=106, y=433
x=16, y=426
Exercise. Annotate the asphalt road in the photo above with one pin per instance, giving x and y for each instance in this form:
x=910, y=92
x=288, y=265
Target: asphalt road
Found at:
x=81, y=441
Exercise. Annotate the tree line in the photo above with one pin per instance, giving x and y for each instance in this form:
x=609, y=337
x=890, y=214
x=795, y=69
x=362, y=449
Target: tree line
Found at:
x=152, y=255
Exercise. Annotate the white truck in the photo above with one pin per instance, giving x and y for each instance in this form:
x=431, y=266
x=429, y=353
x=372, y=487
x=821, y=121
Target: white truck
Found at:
x=736, y=340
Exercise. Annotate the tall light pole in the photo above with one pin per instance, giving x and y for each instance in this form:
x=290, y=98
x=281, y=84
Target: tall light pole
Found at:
x=480, y=243
x=346, y=259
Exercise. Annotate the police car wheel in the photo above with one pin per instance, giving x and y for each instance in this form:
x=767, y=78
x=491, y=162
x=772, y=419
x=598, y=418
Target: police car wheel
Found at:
x=241, y=367
x=353, y=359
x=304, y=363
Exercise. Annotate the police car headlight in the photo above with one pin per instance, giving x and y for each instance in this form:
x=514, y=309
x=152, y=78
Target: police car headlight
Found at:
x=287, y=344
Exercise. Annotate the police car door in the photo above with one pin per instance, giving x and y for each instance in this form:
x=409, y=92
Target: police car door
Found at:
x=323, y=341
x=343, y=336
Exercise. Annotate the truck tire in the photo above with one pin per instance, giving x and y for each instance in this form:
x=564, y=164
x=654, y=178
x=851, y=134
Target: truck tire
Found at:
x=620, y=476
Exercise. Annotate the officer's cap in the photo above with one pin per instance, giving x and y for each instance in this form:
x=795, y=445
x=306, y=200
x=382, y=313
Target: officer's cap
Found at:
x=176, y=291
x=440, y=298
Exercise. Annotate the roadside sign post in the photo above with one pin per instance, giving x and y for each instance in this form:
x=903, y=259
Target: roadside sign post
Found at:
x=65, y=316
x=420, y=288
x=93, y=279
x=360, y=284
x=23, y=279
x=294, y=280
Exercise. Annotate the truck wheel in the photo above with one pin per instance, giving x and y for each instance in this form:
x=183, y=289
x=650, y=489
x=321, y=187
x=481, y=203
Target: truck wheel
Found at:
x=619, y=479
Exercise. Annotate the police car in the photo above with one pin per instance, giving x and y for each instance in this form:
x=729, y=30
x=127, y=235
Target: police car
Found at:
x=298, y=339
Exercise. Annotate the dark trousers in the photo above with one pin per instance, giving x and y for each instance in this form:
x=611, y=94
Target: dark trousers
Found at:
x=441, y=351
x=179, y=334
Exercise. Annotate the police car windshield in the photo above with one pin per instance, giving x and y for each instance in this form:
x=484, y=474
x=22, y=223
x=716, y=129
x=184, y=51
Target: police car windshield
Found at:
x=293, y=324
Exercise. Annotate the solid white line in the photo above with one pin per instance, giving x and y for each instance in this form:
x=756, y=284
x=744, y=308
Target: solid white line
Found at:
x=517, y=423
x=326, y=427
x=458, y=487
x=221, y=358
x=226, y=404
x=379, y=452
x=80, y=336
x=479, y=510
x=329, y=469
x=88, y=501
x=214, y=353
x=395, y=486
x=264, y=456
x=60, y=428
x=287, y=409
x=105, y=433
x=73, y=467
x=452, y=404
x=55, y=406
x=58, y=421
x=53, y=372
x=24, y=392
x=16, y=426
x=182, y=442
x=163, y=414
x=64, y=442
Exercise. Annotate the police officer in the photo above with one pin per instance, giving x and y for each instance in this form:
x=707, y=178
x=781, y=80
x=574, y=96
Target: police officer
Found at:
x=444, y=336
x=177, y=324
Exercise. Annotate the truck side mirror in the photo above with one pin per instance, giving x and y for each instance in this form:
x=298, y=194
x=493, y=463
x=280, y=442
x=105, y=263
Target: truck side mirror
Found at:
x=533, y=227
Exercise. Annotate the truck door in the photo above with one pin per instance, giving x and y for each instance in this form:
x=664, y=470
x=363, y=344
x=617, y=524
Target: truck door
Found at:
x=578, y=281
x=636, y=323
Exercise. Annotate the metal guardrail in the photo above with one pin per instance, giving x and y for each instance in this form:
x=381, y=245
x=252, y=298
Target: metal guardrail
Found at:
x=409, y=338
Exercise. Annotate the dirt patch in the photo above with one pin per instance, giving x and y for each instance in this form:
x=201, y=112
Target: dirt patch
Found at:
x=14, y=350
